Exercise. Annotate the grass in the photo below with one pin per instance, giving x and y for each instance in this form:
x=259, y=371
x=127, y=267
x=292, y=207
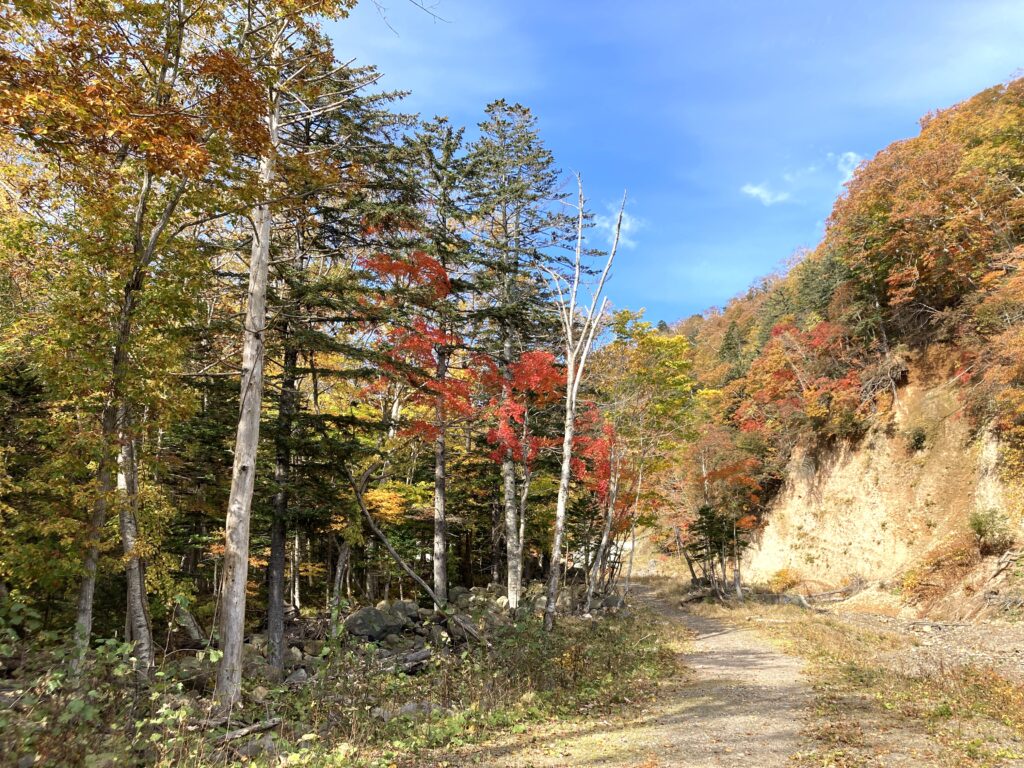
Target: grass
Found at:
x=868, y=706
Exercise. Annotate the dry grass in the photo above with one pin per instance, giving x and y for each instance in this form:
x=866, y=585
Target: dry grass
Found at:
x=870, y=712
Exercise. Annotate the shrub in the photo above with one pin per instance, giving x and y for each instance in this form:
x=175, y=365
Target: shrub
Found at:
x=783, y=579
x=917, y=439
x=991, y=531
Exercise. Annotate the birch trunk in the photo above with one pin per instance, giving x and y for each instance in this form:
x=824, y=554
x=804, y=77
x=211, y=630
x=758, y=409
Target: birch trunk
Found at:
x=440, y=486
x=236, y=529
x=513, y=545
x=296, y=600
x=579, y=332
x=562, y=504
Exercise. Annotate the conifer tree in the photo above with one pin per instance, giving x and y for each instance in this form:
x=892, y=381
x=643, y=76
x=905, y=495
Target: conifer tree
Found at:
x=521, y=227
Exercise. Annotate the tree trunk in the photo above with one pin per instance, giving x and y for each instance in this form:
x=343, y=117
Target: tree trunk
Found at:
x=513, y=546
x=597, y=569
x=497, y=530
x=440, y=485
x=340, y=570
x=137, y=616
x=105, y=486
x=296, y=600
x=632, y=549
x=560, y=507
x=736, y=580
x=109, y=433
x=516, y=556
x=282, y=478
x=236, y=528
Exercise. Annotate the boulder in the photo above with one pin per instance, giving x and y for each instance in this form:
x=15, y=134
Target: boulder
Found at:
x=373, y=623
x=297, y=677
x=407, y=609
x=502, y=602
x=613, y=601
x=293, y=655
x=456, y=592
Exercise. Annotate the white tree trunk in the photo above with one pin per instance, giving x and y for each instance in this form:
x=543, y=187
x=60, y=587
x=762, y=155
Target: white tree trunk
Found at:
x=579, y=331
x=513, y=545
x=236, y=529
x=562, y=504
x=440, y=486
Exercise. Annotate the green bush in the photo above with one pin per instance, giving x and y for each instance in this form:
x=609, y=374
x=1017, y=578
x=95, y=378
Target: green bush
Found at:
x=917, y=439
x=991, y=531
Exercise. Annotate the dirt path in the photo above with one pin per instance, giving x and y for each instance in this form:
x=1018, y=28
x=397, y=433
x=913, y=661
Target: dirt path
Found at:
x=741, y=703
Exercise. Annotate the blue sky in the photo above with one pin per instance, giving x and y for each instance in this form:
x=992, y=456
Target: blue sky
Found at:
x=732, y=124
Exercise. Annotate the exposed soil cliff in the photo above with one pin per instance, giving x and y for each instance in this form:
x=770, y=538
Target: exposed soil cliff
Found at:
x=892, y=512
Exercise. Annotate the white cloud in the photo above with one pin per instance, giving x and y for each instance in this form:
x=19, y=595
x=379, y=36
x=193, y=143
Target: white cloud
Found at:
x=763, y=193
x=630, y=226
x=846, y=164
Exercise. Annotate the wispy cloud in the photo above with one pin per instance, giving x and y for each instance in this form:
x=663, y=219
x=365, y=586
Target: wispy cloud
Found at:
x=630, y=226
x=764, y=193
x=846, y=164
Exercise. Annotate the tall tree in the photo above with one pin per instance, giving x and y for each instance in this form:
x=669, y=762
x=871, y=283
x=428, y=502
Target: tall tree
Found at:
x=580, y=324
x=521, y=227
x=277, y=39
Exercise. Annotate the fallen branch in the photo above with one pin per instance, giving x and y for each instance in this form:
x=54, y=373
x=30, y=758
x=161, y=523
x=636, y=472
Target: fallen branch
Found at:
x=409, y=661
x=266, y=725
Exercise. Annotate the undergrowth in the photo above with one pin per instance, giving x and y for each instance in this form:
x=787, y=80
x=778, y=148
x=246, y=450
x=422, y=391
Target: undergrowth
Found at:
x=349, y=713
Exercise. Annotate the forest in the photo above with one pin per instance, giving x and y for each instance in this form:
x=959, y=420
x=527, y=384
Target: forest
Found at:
x=310, y=407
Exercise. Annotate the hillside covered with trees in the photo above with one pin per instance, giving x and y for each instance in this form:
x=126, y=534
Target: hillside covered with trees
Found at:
x=920, y=258
x=314, y=416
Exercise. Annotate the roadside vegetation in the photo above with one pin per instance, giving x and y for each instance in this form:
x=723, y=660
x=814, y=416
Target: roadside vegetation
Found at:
x=356, y=711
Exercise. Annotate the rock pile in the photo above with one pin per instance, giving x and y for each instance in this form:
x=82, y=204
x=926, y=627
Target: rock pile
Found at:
x=402, y=635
